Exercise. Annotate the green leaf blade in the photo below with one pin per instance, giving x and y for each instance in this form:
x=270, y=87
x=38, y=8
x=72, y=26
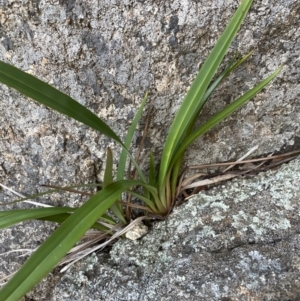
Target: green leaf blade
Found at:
x=230, y=68
x=47, y=95
x=62, y=240
x=52, y=214
x=116, y=208
x=218, y=117
x=60, y=218
x=191, y=102
x=11, y=217
x=128, y=139
x=108, y=176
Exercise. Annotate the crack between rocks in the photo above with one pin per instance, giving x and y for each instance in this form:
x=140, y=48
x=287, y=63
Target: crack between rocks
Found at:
x=273, y=243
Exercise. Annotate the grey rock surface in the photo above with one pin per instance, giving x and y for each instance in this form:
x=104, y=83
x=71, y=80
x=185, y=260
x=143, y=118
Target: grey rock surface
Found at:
x=106, y=54
x=238, y=241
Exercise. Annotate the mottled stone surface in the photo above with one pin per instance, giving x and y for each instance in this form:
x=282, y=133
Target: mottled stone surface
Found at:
x=106, y=54
x=239, y=241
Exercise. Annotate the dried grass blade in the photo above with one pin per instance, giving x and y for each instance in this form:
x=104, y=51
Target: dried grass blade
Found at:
x=204, y=166
x=99, y=247
x=214, y=180
x=253, y=149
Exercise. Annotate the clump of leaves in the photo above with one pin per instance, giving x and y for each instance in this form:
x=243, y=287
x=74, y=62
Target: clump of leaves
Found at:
x=157, y=192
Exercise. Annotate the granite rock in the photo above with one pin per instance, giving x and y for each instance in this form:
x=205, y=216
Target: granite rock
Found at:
x=238, y=241
x=106, y=54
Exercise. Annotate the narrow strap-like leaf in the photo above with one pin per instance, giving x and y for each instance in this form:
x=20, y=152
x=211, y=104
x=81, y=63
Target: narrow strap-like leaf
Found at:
x=116, y=208
x=128, y=139
x=147, y=201
x=108, y=176
x=53, y=214
x=191, y=102
x=230, y=68
x=47, y=95
x=217, y=118
x=49, y=254
x=11, y=217
x=60, y=218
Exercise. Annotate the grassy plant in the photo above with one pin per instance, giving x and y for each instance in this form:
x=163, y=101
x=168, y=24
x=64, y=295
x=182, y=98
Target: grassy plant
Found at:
x=157, y=192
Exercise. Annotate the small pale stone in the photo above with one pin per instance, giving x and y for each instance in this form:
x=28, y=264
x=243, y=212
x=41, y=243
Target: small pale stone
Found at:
x=138, y=231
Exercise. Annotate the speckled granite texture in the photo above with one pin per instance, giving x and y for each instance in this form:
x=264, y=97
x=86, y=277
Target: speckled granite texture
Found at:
x=239, y=241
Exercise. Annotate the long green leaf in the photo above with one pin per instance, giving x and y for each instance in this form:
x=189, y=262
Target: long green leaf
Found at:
x=191, y=102
x=53, y=214
x=62, y=240
x=128, y=139
x=217, y=118
x=230, y=68
x=11, y=217
x=147, y=201
x=177, y=165
x=116, y=208
x=47, y=95
x=108, y=176
x=60, y=218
